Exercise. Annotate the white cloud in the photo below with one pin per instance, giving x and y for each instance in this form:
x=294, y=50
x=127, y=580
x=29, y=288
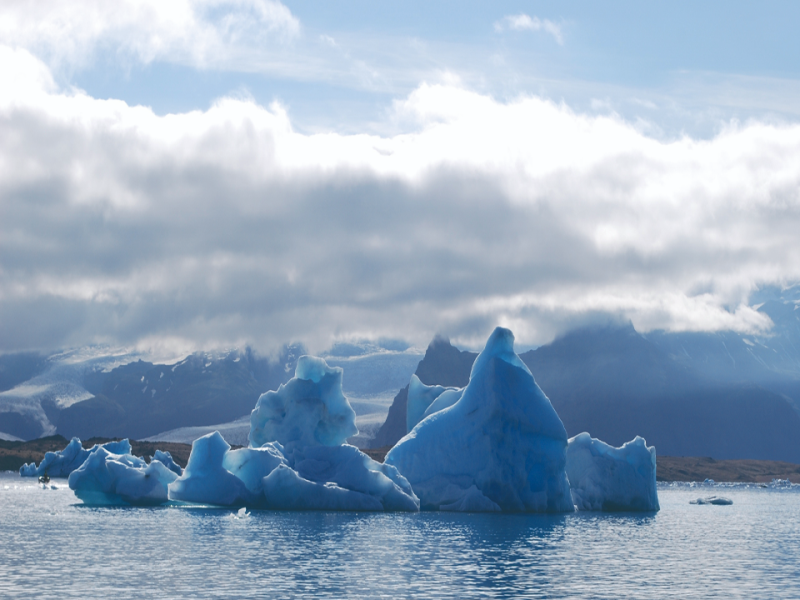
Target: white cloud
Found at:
x=200, y=33
x=523, y=22
x=227, y=225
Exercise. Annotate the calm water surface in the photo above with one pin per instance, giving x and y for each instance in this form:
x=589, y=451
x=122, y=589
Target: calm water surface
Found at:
x=54, y=547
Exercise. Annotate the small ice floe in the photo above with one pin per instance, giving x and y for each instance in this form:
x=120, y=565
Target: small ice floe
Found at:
x=709, y=481
x=718, y=500
x=241, y=513
x=780, y=483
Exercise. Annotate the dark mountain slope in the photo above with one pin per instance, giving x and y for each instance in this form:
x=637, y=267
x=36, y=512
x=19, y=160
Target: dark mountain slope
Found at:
x=443, y=364
x=141, y=399
x=616, y=384
x=19, y=367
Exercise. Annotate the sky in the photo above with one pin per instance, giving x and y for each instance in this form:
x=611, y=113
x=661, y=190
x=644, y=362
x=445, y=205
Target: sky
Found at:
x=199, y=174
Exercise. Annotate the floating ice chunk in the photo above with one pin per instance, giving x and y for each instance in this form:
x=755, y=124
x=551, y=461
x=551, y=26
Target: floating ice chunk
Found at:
x=421, y=397
x=63, y=462
x=349, y=468
x=309, y=409
x=613, y=479
x=251, y=465
x=165, y=458
x=205, y=480
x=324, y=478
x=780, y=483
x=285, y=489
x=296, y=459
x=717, y=500
x=144, y=486
x=501, y=439
x=114, y=479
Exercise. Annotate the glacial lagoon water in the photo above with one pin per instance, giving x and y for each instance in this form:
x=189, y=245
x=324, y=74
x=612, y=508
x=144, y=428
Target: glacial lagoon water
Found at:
x=54, y=547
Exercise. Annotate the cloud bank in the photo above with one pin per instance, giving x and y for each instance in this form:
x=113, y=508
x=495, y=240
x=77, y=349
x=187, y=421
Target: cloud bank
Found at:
x=198, y=33
x=227, y=226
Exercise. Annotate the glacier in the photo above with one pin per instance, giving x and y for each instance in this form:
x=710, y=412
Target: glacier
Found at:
x=106, y=478
x=500, y=447
x=63, y=462
x=604, y=478
x=298, y=458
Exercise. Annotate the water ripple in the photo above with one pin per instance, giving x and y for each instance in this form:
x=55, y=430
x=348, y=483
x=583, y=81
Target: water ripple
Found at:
x=54, y=547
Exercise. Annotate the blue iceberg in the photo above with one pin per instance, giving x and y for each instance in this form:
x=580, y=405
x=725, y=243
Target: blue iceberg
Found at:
x=106, y=478
x=612, y=479
x=63, y=462
x=297, y=457
x=205, y=480
x=370, y=484
x=499, y=447
x=308, y=410
x=424, y=400
x=165, y=458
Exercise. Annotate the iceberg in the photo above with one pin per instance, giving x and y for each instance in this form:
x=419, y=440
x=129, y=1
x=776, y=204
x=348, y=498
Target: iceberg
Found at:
x=424, y=400
x=348, y=468
x=297, y=459
x=251, y=465
x=106, y=478
x=499, y=447
x=612, y=479
x=287, y=490
x=165, y=458
x=206, y=481
x=63, y=462
x=308, y=410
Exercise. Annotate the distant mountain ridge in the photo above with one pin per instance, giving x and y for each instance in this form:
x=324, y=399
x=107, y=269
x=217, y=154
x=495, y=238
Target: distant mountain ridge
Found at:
x=371, y=376
x=139, y=399
x=724, y=395
x=615, y=384
x=443, y=364
x=100, y=391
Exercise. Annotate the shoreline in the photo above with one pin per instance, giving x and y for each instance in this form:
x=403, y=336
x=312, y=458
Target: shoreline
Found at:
x=669, y=468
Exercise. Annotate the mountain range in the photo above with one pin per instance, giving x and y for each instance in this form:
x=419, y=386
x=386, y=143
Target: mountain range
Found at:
x=104, y=392
x=99, y=393
x=725, y=395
